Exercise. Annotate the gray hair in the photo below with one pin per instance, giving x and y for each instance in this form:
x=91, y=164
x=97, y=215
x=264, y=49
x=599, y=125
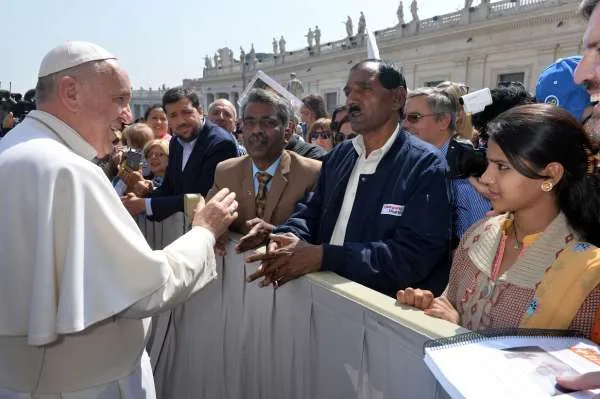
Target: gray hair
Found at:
x=586, y=8
x=439, y=102
x=281, y=107
x=46, y=86
x=223, y=100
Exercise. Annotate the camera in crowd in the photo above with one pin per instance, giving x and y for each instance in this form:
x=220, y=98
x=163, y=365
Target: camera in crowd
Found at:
x=133, y=159
x=484, y=105
x=465, y=161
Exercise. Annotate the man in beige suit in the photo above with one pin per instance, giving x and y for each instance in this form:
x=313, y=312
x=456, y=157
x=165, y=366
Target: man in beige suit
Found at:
x=269, y=181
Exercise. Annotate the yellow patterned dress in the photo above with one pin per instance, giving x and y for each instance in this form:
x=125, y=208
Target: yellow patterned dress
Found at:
x=553, y=283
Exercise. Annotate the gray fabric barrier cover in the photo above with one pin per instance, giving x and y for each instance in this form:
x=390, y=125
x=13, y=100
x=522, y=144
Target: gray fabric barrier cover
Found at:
x=320, y=336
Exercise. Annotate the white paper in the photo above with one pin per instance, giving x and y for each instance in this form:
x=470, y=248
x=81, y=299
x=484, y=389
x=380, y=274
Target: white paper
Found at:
x=511, y=367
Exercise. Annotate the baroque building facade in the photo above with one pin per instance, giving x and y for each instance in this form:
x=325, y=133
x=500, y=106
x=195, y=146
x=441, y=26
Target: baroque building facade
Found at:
x=481, y=46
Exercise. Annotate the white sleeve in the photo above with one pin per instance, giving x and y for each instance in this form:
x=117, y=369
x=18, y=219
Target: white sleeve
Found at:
x=182, y=256
x=148, y=204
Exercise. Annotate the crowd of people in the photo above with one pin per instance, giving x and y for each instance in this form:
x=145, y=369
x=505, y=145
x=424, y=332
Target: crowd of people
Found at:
x=485, y=220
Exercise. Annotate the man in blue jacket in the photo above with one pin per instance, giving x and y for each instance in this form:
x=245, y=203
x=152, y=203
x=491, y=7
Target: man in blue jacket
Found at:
x=194, y=152
x=380, y=214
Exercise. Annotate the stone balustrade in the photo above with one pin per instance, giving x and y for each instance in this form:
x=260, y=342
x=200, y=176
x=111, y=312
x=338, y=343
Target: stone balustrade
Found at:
x=480, y=13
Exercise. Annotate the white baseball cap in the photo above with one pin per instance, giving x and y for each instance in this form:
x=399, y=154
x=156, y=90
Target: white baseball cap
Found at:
x=72, y=54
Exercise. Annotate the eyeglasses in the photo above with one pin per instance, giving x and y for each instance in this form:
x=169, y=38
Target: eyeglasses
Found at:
x=341, y=137
x=264, y=123
x=156, y=155
x=415, y=117
x=324, y=135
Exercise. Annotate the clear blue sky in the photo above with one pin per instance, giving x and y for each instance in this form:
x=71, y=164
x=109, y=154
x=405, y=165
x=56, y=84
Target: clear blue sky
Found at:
x=165, y=41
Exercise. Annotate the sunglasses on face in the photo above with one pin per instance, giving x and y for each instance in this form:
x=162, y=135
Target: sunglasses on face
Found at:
x=415, y=117
x=324, y=135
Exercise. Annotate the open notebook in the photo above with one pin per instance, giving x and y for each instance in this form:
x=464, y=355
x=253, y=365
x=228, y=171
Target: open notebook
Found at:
x=511, y=363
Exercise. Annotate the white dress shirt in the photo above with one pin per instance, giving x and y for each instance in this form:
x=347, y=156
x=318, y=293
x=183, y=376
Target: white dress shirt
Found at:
x=188, y=147
x=363, y=166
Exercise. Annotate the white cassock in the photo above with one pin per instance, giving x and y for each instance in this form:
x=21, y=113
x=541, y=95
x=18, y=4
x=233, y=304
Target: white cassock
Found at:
x=77, y=279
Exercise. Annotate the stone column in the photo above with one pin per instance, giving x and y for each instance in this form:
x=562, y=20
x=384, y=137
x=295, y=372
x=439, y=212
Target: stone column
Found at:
x=466, y=16
x=410, y=75
x=476, y=71
x=546, y=55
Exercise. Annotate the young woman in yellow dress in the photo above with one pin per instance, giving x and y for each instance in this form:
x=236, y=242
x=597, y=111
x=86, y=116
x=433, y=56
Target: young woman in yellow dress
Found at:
x=536, y=265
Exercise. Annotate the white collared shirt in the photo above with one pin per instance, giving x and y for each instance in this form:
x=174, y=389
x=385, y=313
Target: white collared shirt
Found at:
x=363, y=166
x=188, y=147
x=271, y=170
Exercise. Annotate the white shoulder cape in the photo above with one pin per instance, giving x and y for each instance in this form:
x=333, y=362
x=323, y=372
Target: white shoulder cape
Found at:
x=70, y=253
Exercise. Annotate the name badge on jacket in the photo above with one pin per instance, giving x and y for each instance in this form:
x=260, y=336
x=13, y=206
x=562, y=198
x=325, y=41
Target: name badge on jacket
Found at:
x=392, y=209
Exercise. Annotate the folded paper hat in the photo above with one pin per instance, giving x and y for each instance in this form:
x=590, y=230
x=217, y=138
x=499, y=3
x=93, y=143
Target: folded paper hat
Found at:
x=556, y=85
x=72, y=54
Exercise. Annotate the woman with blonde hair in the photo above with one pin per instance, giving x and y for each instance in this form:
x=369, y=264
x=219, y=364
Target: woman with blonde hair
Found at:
x=156, y=155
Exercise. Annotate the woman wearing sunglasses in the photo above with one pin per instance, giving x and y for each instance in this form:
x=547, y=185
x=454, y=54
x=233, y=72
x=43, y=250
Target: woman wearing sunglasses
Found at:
x=537, y=264
x=320, y=134
x=340, y=126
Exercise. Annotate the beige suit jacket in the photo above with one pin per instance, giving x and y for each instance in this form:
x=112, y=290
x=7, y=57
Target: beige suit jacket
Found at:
x=296, y=176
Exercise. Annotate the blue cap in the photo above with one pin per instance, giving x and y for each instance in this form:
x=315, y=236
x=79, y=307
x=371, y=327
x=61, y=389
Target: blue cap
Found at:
x=556, y=85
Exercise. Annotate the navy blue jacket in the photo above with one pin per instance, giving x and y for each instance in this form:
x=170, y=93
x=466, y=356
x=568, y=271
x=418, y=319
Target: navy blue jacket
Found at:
x=382, y=251
x=212, y=146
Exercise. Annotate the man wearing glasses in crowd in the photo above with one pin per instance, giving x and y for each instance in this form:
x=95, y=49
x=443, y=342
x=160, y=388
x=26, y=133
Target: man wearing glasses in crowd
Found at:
x=431, y=115
x=270, y=180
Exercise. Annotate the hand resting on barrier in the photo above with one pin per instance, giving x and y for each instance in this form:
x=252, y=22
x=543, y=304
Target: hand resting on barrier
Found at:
x=286, y=258
x=439, y=307
x=259, y=234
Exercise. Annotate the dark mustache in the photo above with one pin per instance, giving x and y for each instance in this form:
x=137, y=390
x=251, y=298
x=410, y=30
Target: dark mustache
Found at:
x=260, y=136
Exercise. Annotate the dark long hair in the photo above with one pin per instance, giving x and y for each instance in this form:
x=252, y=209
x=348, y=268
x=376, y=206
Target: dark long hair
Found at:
x=316, y=104
x=531, y=137
x=152, y=108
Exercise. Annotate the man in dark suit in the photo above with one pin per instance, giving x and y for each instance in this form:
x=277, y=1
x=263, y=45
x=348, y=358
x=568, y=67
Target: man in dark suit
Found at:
x=289, y=177
x=380, y=214
x=194, y=152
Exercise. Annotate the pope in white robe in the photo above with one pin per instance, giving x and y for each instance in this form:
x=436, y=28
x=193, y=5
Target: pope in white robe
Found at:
x=78, y=281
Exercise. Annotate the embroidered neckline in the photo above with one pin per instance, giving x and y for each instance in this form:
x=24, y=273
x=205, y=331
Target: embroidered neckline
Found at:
x=526, y=241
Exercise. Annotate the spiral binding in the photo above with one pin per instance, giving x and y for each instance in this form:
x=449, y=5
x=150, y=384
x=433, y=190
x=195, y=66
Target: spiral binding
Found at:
x=485, y=335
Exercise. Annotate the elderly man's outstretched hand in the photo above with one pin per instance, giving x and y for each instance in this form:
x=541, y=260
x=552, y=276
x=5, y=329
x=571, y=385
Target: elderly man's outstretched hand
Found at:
x=217, y=214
